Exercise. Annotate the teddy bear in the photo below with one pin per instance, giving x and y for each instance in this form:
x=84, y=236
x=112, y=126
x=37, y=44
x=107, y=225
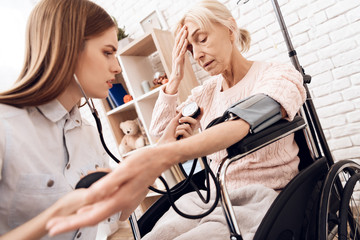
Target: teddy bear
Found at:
x=132, y=139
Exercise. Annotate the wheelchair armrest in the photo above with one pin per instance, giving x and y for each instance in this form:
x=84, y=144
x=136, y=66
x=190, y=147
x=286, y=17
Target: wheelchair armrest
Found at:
x=253, y=142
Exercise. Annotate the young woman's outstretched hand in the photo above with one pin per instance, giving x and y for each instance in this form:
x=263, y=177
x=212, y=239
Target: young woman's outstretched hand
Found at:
x=122, y=190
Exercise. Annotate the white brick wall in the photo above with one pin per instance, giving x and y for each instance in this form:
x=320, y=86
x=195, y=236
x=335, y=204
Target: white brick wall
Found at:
x=325, y=34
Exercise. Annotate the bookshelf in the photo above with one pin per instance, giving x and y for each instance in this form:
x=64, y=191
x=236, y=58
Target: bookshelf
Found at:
x=137, y=66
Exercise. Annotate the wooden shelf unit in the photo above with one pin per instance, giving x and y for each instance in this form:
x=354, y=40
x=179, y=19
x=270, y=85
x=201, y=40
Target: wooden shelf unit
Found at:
x=136, y=68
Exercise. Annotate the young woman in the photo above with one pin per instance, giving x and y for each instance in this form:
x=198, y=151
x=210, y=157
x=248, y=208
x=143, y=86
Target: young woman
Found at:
x=45, y=145
x=210, y=33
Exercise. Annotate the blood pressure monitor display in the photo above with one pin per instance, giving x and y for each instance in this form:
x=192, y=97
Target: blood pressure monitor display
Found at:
x=191, y=110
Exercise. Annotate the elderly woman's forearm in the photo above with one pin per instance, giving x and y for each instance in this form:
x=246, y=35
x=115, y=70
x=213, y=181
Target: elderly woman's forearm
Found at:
x=209, y=141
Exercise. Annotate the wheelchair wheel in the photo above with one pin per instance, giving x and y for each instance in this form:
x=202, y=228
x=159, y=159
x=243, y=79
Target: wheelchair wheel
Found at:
x=339, y=214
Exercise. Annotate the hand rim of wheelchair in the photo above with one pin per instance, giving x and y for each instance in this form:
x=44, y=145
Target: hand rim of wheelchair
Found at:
x=343, y=194
x=344, y=215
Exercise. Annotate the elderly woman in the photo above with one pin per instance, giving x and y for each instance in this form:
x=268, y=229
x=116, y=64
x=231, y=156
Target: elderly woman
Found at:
x=210, y=33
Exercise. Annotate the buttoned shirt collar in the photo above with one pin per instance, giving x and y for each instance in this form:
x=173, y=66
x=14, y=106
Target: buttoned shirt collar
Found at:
x=55, y=111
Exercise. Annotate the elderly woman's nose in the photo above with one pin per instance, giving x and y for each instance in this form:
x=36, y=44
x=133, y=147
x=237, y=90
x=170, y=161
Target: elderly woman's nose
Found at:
x=197, y=53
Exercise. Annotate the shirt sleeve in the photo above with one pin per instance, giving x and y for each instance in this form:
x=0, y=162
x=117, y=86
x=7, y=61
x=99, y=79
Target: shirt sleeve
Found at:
x=284, y=84
x=164, y=110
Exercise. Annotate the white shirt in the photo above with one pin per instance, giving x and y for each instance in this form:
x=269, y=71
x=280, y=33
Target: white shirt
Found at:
x=43, y=152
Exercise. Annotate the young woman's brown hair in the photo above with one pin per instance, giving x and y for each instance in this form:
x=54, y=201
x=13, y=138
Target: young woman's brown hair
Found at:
x=55, y=35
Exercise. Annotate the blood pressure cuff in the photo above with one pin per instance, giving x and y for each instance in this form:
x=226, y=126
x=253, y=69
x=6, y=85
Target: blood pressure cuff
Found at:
x=260, y=111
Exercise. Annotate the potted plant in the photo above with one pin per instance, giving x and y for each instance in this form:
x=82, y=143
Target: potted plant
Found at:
x=122, y=36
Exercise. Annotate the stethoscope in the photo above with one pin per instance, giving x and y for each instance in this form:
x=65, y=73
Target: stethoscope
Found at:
x=89, y=179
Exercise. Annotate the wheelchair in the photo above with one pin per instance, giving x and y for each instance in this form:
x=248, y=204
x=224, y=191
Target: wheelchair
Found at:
x=319, y=203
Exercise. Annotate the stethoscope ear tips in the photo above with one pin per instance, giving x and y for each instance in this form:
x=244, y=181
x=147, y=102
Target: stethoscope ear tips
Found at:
x=89, y=179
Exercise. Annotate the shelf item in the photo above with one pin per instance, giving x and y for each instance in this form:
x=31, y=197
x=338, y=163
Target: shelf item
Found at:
x=111, y=103
x=134, y=136
x=117, y=94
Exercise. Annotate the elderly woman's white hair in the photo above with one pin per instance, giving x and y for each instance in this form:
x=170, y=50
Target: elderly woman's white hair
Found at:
x=206, y=12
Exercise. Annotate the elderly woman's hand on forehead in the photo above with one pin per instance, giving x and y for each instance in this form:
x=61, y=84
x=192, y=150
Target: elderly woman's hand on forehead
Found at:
x=178, y=60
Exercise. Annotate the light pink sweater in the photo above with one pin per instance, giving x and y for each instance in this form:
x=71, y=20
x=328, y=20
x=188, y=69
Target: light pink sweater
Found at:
x=273, y=166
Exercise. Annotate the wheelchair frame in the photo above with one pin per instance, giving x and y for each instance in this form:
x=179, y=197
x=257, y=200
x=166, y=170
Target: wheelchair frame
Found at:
x=324, y=177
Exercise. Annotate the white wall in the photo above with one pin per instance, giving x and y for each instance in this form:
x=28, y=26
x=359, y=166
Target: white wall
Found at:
x=325, y=34
x=13, y=17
